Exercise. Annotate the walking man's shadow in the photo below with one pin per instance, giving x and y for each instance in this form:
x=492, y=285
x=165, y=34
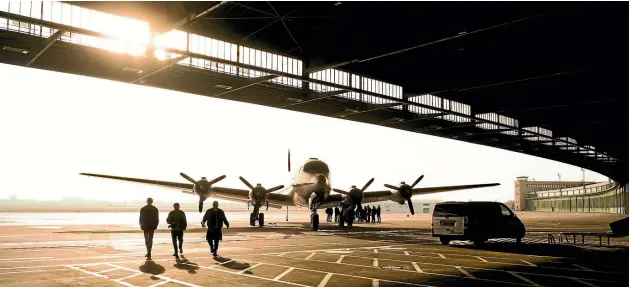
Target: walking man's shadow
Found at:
x=184, y=264
x=233, y=264
x=153, y=268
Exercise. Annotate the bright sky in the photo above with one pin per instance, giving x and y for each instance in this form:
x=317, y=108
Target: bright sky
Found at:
x=55, y=126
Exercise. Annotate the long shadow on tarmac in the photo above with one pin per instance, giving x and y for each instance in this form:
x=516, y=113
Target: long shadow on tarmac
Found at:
x=184, y=264
x=233, y=264
x=152, y=268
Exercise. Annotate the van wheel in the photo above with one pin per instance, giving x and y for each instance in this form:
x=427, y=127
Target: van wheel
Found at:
x=444, y=240
x=479, y=242
x=518, y=240
x=261, y=219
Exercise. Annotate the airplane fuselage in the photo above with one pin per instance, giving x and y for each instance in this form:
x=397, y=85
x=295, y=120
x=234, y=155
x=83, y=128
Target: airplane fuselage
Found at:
x=311, y=183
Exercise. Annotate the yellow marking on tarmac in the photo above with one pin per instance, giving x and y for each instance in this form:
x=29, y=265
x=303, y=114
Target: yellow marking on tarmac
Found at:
x=375, y=283
x=340, y=259
x=406, y=253
x=375, y=262
x=441, y=255
x=311, y=255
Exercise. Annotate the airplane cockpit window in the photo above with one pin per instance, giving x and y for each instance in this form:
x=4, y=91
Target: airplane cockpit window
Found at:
x=316, y=167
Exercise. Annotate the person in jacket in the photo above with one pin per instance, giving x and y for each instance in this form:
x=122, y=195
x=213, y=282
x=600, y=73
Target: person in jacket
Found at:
x=378, y=214
x=177, y=222
x=149, y=220
x=215, y=217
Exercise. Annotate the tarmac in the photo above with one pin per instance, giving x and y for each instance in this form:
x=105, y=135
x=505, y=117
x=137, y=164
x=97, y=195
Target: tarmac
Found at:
x=398, y=252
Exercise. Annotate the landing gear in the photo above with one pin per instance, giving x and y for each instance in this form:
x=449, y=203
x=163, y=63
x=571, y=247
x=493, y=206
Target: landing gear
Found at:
x=200, y=206
x=350, y=218
x=256, y=215
x=314, y=220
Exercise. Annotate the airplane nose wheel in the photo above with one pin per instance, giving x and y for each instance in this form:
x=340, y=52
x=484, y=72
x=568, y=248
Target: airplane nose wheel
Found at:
x=314, y=221
x=255, y=215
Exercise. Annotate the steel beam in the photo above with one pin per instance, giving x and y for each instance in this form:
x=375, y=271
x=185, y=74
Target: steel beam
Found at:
x=194, y=17
x=329, y=66
x=384, y=106
x=268, y=71
x=248, y=83
x=159, y=67
x=318, y=96
x=49, y=41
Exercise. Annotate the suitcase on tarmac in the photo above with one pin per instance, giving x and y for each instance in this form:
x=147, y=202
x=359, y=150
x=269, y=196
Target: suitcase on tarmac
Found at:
x=620, y=227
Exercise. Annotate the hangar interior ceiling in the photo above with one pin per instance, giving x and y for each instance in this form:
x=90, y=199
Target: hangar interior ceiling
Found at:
x=545, y=79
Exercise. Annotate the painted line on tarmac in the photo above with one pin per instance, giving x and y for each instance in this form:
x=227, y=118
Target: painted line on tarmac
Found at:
x=419, y=270
x=340, y=259
x=584, y=282
x=484, y=269
x=375, y=283
x=318, y=271
x=158, y=276
x=516, y=275
x=396, y=270
x=27, y=258
x=441, y=255
x=278, y=277
x=311, y=255
x=481, y=259
x=465, y=272
x=251, y=276
x=581, y=267
x=249, y=268
x=529, y=263
x=325, y=280
x=32, y=271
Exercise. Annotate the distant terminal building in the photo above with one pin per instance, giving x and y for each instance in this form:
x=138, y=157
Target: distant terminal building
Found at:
x=567, y=196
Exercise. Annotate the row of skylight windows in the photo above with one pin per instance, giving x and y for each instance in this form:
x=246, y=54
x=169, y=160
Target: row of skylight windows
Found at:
x=130, y=36
x=500, y=119
x=343, y=78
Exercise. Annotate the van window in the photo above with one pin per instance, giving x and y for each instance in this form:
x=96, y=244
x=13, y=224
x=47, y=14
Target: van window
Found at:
x=443, y=210
x=505, y=210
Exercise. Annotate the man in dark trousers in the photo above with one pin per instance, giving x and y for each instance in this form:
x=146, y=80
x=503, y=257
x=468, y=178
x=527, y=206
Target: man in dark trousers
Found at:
x=378, y=211
x=373, y=214
x=149, y=220
x=215, y=217
x=337, y=213
x=177, y=222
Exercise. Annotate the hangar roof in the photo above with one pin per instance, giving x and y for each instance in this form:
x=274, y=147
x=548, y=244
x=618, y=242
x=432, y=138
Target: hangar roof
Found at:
x=546, y=79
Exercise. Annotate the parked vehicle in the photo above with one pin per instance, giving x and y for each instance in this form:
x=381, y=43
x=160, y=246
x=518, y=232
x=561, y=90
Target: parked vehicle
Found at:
x=475, y=221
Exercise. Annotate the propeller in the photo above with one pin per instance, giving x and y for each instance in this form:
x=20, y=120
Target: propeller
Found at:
x=259, y=194
x=406, y=191
x=202, y=187
x=355, y=195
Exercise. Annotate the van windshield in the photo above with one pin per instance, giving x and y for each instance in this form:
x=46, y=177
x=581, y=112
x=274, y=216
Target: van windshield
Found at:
x=443, y=210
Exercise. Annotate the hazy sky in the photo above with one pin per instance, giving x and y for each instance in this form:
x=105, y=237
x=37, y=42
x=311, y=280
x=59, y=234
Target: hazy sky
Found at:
x=55, y=126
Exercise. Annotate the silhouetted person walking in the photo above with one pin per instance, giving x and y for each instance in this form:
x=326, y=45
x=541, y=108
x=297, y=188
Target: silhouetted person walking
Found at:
x=177, y=223
x=378, y=211
x=215, y=217
x=149, y=220
x=337, y=212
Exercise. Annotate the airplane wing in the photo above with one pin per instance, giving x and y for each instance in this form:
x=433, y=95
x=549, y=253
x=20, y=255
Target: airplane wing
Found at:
x=436, y=189
x=384, y=195
x=232, y=194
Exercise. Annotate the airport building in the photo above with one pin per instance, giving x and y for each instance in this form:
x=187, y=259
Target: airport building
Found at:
x=568, y=196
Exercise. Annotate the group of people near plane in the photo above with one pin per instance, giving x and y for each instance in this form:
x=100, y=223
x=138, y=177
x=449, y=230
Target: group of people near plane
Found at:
x=365, y=214
x=176, y=220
